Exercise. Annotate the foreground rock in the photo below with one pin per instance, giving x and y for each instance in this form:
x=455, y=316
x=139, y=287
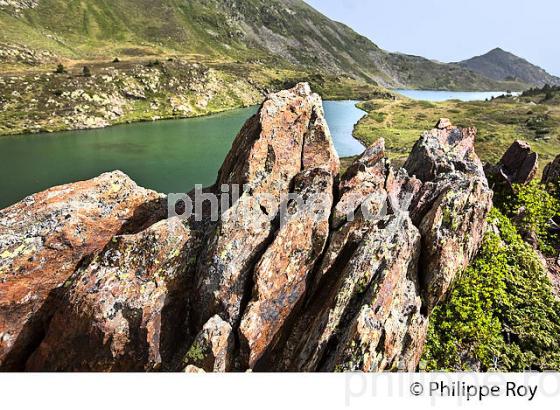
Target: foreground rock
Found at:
x=302, y=271
x=381, y=275
x=374, y=275
x=450, y=209
x=288, y=133
x=519, y=165
x=44, y=238
x=125, y=310
x=212, y=349
x=281, y=275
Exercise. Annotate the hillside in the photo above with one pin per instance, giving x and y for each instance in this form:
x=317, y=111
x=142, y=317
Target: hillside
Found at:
x=272, y=33
x=534, y=117
x=501, y=65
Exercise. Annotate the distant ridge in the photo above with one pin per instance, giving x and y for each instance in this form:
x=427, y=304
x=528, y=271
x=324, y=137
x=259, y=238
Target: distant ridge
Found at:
x=501, y=65
x=273, y=33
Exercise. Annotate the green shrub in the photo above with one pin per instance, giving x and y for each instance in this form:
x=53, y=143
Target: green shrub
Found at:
x=501, y=315
x=532, y=207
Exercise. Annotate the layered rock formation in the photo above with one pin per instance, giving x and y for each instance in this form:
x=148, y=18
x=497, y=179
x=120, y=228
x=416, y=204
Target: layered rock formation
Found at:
x=125, y=310
x=46, y=237
x=304, y=270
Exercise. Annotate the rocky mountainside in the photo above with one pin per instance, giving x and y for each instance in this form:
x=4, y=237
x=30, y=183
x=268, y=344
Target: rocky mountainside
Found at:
x=305, y=270
x=501, y=65
x=275, y=33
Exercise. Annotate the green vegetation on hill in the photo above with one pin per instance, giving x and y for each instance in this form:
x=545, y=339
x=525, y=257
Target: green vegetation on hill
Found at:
x=274, y=33
x=107, y=93
x=502, y=314
x=532, y=118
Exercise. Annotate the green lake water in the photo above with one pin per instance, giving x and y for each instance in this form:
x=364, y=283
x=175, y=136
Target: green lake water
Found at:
x=167, y=156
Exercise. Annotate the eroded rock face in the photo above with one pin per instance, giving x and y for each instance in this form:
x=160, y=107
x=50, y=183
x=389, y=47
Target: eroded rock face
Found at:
x=302, y=272
x=388, y=329
x=444, y=150
x=370, y=263
x=45, y=237
x=370, y=274
x=125, y=310
x=383, y=272
x=450, y=209
x=288, y=134
x=519, y=165
x=452, y=232
x=281, y=274
x=364, y=178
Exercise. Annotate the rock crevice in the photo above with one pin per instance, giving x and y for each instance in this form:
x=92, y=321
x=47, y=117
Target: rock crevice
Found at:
x=305, y=271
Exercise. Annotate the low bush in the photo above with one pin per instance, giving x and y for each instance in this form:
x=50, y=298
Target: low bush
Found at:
x=502, y=314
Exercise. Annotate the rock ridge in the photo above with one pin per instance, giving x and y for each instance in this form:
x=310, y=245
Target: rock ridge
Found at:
x=307, y=270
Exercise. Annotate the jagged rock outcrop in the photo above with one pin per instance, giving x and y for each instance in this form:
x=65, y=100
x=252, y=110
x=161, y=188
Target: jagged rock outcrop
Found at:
x=381, y=275
x=519, y=165
x=374, y=279
x=302, y=271
x=45, y=238
x=125, y=310
x=287, y=134
x=450, y=209
x=365, y=177
x=281, y=274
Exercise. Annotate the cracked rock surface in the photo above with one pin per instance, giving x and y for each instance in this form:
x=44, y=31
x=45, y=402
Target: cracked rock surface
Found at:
x=305, y=270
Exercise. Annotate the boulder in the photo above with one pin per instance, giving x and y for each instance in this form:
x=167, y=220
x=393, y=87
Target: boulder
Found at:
x=551, y=173
x=444, y=150
x=45, y=237
x=519, y=165
x=444, y=123
x=126, y=309
x=212, y=349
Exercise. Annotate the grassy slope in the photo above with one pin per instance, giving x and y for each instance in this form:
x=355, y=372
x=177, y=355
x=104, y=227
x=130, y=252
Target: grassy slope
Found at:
x=499, y=123
x=278, y=33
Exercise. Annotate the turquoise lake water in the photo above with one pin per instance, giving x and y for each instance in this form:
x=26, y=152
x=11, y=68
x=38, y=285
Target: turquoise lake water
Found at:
x=435, y=96
x=168, y=156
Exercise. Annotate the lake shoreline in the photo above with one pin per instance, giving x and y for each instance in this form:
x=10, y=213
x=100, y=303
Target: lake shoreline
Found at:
x=155, y=115
x=166, y=156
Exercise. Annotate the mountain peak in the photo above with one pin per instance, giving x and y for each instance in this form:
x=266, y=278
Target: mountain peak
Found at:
x=501, y=65
x=498, y=50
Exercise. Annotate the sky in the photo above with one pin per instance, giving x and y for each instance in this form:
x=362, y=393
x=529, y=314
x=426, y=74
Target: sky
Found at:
x=454, y=30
